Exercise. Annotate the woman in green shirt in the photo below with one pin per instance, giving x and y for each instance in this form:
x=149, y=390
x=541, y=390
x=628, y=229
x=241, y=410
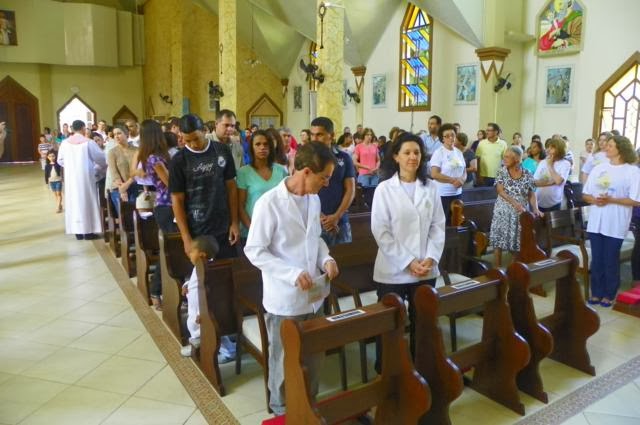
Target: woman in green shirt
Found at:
x=536, y=154
x=260, y=176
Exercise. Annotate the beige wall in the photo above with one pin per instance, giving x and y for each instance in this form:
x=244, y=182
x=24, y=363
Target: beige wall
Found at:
x=104, y=89
x=180, y=61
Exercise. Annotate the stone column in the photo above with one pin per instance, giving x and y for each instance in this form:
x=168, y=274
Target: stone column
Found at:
x=228, y=35
x=358, y=73
x=330, y=37
x=176, y=48
x=285, y=107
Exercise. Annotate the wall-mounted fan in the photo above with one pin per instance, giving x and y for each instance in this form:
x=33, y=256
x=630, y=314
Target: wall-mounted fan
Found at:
x=312, y=71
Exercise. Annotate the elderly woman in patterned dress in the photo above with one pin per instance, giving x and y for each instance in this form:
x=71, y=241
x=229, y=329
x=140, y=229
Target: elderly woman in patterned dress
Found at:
x=515, y=187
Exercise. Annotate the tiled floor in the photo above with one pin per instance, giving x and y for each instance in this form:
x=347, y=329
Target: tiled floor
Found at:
x=73, y=351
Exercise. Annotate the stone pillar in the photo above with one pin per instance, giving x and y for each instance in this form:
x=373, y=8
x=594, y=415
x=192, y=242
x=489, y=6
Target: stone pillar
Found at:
x=330, y=37
x=285, y=107
x=228, y=35
x=358, y=74
x=177, y=41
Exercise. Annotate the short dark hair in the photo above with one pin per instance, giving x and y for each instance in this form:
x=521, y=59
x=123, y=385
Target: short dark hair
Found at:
x=343, y=137
x=315, y=156
x=462, y=138
x=323, y=122
x=171, y=139
x=207, y=244
x=446, y=127
x=225, y=113
x=77, y=125
x=272, y=149
x=122, y=128
x=435, y=117
x=390, y=166
x=495, y=126
x=358, y=136
x=536, y=137
x=96, y=134
x=190, y=123
x=174, y=121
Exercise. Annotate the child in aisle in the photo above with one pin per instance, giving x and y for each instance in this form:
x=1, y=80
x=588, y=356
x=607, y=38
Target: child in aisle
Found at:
x=53, y=177
x=43, y=149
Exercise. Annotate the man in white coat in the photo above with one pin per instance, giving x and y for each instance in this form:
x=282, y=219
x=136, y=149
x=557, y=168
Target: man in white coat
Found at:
x=284, y=242
x=80, y=158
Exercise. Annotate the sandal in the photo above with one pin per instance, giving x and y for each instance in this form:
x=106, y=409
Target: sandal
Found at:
x=594, y=301
x=156, y=302
x=606, y=303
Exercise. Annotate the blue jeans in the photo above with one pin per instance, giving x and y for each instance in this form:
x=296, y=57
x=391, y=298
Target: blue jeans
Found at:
x=605, y=265
x=343, y=235
x=368, y=180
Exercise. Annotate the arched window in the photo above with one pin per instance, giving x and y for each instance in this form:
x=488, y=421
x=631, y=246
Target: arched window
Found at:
x=416, y=40
x=618, y=101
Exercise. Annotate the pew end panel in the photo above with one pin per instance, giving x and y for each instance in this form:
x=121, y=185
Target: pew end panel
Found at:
x=147, y=251
x=113, y=227
x=443, y=376
x=127, y=242
x=562, y=335
x=175, y=268
x=400, y=393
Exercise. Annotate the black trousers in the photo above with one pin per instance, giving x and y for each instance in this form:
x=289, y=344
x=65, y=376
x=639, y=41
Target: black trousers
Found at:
x=406, y=291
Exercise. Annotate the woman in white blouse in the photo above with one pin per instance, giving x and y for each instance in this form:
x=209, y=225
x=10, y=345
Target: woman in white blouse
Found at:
x=551, y=176
x=448, y=169
x=598, y=156
x=408, y=224
x=613, y=189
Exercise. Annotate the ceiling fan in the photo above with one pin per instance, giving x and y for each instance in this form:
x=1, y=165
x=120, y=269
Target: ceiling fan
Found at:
x=312, y=71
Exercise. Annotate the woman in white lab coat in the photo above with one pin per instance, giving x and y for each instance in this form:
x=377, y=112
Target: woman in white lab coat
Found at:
x=408, y=223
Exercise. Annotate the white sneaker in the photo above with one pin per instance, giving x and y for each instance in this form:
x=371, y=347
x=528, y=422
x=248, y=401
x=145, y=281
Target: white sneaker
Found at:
x=195, y=342
x=187, y=351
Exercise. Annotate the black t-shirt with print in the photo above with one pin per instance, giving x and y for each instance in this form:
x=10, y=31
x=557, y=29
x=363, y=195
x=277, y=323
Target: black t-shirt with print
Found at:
x=201, y=176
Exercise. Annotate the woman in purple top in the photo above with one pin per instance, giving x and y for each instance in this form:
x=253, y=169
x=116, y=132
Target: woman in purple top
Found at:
x=154, y=157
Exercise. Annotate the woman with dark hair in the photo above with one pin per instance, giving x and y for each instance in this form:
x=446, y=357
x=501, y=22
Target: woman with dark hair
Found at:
x=536, y=154
x=120, y=157
x=305, y=136
x=448, y=168
x=612, y=189
x=551, y=176
x=481, y=135
x=256, y=178
x=154, y=157
x=172, y=142
x=408, y=224
x=280, y=154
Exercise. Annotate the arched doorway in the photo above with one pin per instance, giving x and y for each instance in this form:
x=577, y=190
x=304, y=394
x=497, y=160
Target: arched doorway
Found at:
x=19, y=110
x=618, y=102
x=76, y=109
x=265, y=113
x=123, y=115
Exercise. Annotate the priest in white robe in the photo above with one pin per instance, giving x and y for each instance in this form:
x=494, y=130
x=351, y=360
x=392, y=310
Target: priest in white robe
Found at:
x=81, y=158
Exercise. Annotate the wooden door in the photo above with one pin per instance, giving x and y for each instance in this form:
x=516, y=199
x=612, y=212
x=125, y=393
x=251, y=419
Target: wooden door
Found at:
x=123, y=115
x=19, y=109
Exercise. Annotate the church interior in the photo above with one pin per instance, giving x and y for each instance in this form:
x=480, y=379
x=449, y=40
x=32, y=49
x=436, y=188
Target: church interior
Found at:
x=80, y=342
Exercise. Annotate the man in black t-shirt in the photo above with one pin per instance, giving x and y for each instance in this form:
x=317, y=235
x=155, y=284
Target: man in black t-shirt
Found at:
x=203, y=188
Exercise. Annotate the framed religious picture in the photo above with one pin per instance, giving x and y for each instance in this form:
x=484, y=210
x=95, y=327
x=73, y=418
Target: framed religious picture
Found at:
x=297, y=98
x=558, y=86
x=379, y=91
x=8, y=35
x=466, y=84
x=559, y=27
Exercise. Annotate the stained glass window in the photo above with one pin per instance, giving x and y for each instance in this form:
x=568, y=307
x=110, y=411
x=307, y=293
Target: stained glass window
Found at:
x=620, y=105
x=416, y=38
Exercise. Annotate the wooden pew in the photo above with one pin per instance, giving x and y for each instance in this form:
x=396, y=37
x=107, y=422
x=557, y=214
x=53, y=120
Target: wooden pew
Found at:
x=482, y=193
x=112, y=227
x=147, y=251
x=400, y=395
x=358, y=205
x=127, y=242
x=360, y=226
x=497, y=358
x=175, y=268
x=104, y=215
x=570, y=325
x=215, y=295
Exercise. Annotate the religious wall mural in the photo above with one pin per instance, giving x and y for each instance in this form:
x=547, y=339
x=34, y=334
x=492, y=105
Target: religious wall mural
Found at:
x=559, y=27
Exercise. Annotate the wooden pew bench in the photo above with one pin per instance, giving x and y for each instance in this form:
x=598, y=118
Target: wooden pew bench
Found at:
x=175, y=268
x=112, y=227
x=400, y=395
x=252, y=334
x=496, y=359
x=562, y=335
x=147, y=251
x=127, y=240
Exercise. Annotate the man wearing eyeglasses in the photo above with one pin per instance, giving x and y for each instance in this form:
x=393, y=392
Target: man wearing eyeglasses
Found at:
x=489, y=153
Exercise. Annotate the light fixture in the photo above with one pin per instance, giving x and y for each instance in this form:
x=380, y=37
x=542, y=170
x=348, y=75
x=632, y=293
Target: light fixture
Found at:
x=492, y=60
x=253, y=60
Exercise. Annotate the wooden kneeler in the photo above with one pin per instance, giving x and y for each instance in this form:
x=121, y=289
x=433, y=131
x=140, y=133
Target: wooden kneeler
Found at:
x=399, y=393
x=562, y=335
x=497, y=358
